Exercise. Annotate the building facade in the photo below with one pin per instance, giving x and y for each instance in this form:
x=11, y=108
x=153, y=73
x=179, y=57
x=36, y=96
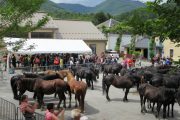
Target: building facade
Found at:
x=171, y=50
x=69, y=29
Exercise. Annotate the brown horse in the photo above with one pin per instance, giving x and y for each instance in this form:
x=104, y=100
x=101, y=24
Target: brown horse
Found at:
x=79, y=88
x=59, y=86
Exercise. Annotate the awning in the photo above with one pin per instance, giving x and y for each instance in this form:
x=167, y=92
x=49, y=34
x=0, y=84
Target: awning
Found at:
x=50, y=46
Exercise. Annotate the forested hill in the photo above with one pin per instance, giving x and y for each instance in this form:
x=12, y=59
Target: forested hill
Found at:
x=114, y=7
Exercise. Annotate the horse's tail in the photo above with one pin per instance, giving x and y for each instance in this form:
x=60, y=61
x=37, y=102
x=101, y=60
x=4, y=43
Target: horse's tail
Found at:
x=14, y=87
x=103, y=85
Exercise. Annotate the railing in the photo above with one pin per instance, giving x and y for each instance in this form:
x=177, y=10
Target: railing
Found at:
x=37, y=69
x=9, y=111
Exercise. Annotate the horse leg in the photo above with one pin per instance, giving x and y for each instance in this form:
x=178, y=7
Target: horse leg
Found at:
x=141, y=98
x=76, y=100
x=92, y=86
x=39, y=99
x=42, y=107
x=21, y=92
x=164, y=110
x=148, y=104
x=158, y=108
x=55, y=94
x=137, y=86
x=107, y=91
x=79, y=101
x=153, y=107
x=15, y=91
x=172, y=109
x=77, y=77
x=69, y=99
x=87, y=81
x=125, y=96
x=82, y=101
x=35, y=95
x=61, y=97
x=144, y=104
x=64, y=98
x=168, y=110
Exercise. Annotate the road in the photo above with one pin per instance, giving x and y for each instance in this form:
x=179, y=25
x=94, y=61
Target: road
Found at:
x=96, y=105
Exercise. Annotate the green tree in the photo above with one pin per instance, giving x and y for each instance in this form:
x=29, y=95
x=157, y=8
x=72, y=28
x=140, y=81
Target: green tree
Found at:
x=100, y=17
x=132, y=44
x=168, y=14
x=118, y=43
x=15, y=18
x=151, y=48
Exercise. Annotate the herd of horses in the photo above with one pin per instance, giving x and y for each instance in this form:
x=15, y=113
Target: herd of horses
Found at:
x=156, y=85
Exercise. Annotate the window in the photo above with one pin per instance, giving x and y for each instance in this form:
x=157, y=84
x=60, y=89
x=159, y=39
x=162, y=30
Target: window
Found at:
x=93, y=48
x=171, y=52
x=41, y=35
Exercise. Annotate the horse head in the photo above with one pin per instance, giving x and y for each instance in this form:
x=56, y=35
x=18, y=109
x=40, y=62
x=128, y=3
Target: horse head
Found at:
x=19, y=83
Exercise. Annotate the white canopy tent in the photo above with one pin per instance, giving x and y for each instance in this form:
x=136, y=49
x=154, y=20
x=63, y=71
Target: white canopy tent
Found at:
x=45, y=46
x=50, y=46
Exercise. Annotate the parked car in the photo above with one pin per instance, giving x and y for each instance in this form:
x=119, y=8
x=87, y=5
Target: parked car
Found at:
x=113, y=54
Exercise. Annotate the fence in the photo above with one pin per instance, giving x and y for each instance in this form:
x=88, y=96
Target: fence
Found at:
x=9, y=111
x=37, y=69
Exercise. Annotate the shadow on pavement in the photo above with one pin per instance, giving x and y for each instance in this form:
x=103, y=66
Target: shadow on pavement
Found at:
x=129, y=100
x=89, y=110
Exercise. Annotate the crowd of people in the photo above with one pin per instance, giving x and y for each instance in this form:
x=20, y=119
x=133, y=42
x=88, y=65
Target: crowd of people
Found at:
x=158, y=60
x=58, y=61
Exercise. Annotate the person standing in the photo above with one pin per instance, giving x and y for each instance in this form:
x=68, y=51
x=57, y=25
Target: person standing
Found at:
x=56, y=63
x=26, y=108
x=14, y=61
x=50, y=114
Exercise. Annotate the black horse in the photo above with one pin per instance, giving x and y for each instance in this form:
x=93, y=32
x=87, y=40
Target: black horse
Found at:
x=25, y=84
x=160, y=95
x=13, y=82
x=89, y=74
x=111, y=68
x=125, y=82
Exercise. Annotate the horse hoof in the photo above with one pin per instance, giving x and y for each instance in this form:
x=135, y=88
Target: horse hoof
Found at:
x=69, y=106
x=145, y=110
x=64, y=106
x=92, y=88
x=16, y=98
x=108, y=99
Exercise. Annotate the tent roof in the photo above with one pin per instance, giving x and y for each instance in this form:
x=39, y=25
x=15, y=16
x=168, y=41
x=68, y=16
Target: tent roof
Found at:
x=50, y=46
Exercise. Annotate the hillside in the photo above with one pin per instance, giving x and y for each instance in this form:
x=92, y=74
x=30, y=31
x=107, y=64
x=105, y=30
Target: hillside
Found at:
x=114, y=7
x=118, y=6
x=75, y=8
x=51, y=7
